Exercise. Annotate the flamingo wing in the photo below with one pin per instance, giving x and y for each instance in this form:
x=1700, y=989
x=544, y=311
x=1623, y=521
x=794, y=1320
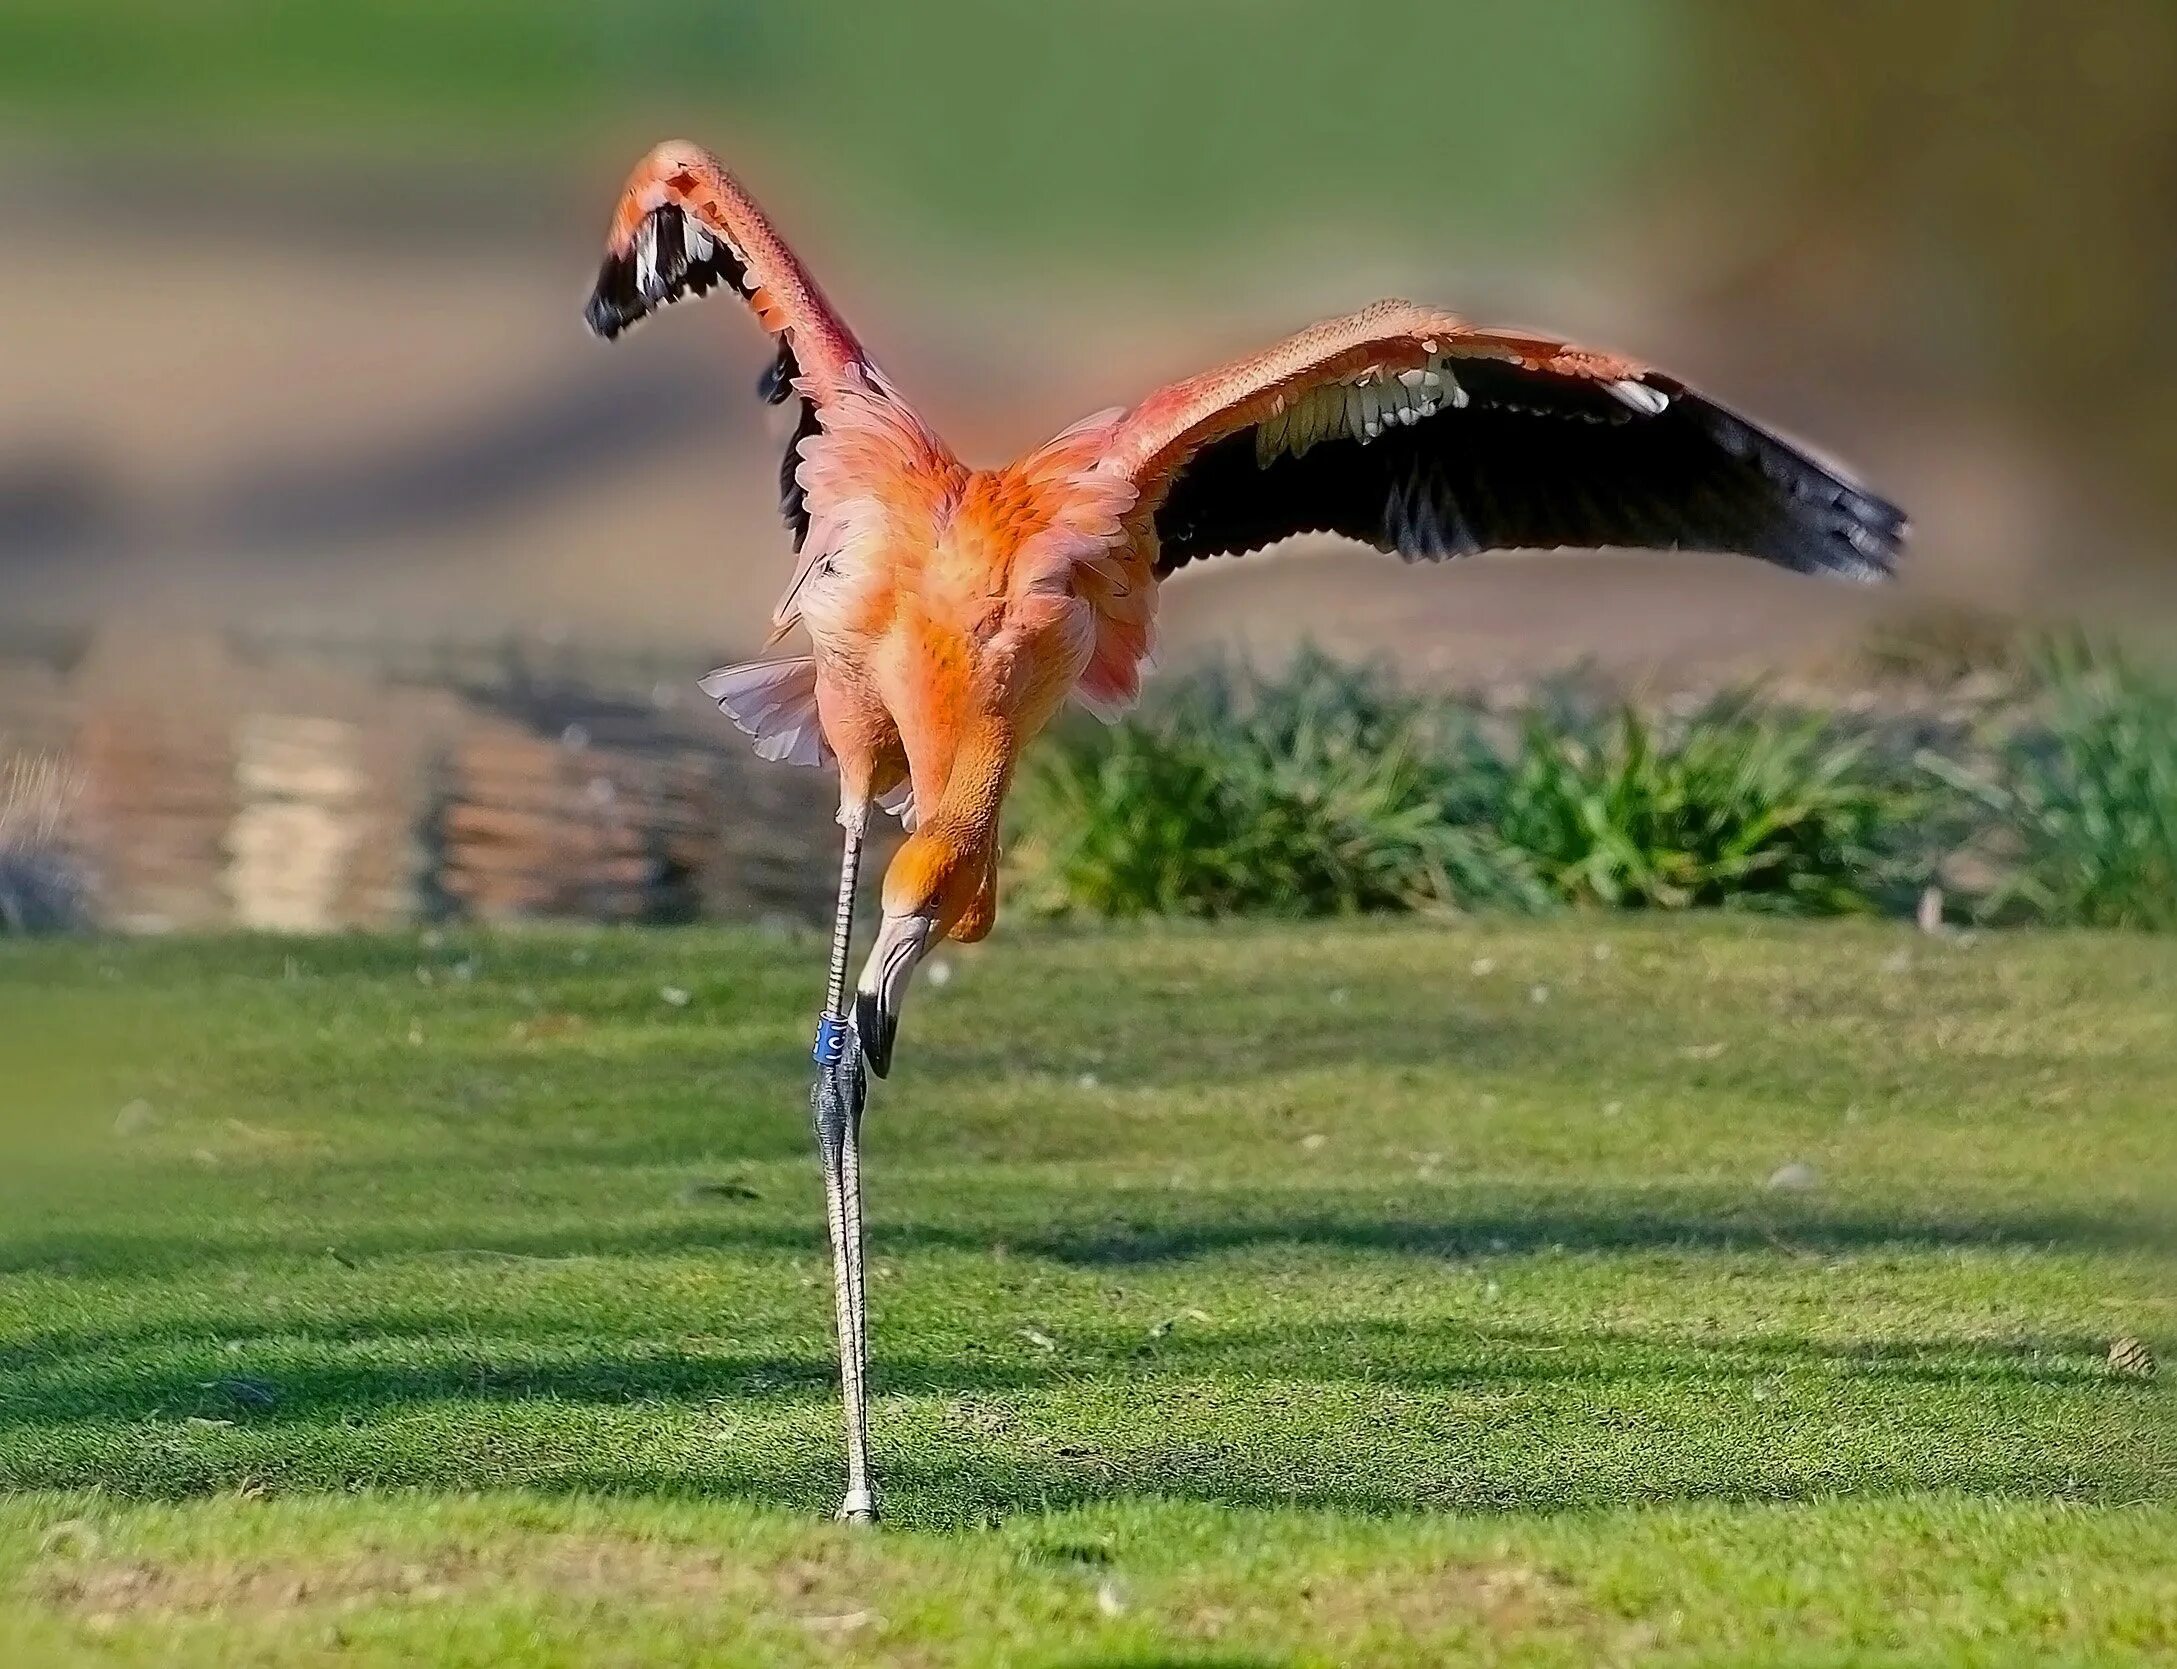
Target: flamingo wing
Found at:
x=684, y=226
x=1417, y=433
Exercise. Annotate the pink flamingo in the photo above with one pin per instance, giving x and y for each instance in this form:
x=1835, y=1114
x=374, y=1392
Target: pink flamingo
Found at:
x=951, y=610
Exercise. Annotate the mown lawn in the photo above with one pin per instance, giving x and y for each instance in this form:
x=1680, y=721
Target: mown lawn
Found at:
x=1376, y=1294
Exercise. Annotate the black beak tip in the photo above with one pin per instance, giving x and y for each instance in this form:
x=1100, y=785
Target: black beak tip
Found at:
x=874, y=1030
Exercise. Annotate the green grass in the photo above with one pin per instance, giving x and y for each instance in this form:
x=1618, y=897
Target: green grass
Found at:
x=1325, y=789
x=2088, y=797
x=1378, y=1293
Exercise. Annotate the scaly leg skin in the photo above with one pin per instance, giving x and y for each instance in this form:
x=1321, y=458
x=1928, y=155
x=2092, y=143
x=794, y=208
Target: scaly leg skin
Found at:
x=836, y=1099
x=837, y=1102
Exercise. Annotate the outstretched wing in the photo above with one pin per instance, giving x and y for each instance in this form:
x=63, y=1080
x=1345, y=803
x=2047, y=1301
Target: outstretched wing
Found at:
x=684, y=226
x=1415, y=432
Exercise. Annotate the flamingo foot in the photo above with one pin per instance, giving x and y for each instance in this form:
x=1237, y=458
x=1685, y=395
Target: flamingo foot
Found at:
x=859, y=1507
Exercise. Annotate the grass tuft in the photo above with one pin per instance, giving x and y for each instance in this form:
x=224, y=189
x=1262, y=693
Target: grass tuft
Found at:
x=2084, y=796
x=1323, y=792
x=1328, y=791
x=1735, y=804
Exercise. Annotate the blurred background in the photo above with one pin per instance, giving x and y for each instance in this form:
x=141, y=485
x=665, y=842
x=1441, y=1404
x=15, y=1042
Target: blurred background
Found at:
x=344, y=579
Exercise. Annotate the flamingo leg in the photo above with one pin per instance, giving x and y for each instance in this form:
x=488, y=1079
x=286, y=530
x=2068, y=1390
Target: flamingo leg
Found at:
x=836, y=1099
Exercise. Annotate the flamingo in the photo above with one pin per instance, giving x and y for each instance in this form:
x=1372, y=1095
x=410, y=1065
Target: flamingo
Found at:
x=951, y=610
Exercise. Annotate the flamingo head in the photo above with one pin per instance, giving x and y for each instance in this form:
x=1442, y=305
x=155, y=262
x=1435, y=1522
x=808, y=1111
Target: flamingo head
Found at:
x=936, y=885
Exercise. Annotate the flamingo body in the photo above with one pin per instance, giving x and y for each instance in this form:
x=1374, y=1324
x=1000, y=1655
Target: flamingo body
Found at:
x=950, y=613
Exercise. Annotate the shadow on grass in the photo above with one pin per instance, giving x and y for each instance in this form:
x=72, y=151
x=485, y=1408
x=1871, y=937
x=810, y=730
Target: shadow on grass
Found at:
x=570, y=1366
x=1536, y=1421
x=1152, y=1226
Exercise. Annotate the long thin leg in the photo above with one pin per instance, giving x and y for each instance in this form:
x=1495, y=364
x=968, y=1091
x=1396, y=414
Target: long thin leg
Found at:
x=835, y=1107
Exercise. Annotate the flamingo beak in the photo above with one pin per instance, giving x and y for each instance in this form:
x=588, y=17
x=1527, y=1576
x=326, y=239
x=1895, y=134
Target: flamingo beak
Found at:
x=901, y=943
